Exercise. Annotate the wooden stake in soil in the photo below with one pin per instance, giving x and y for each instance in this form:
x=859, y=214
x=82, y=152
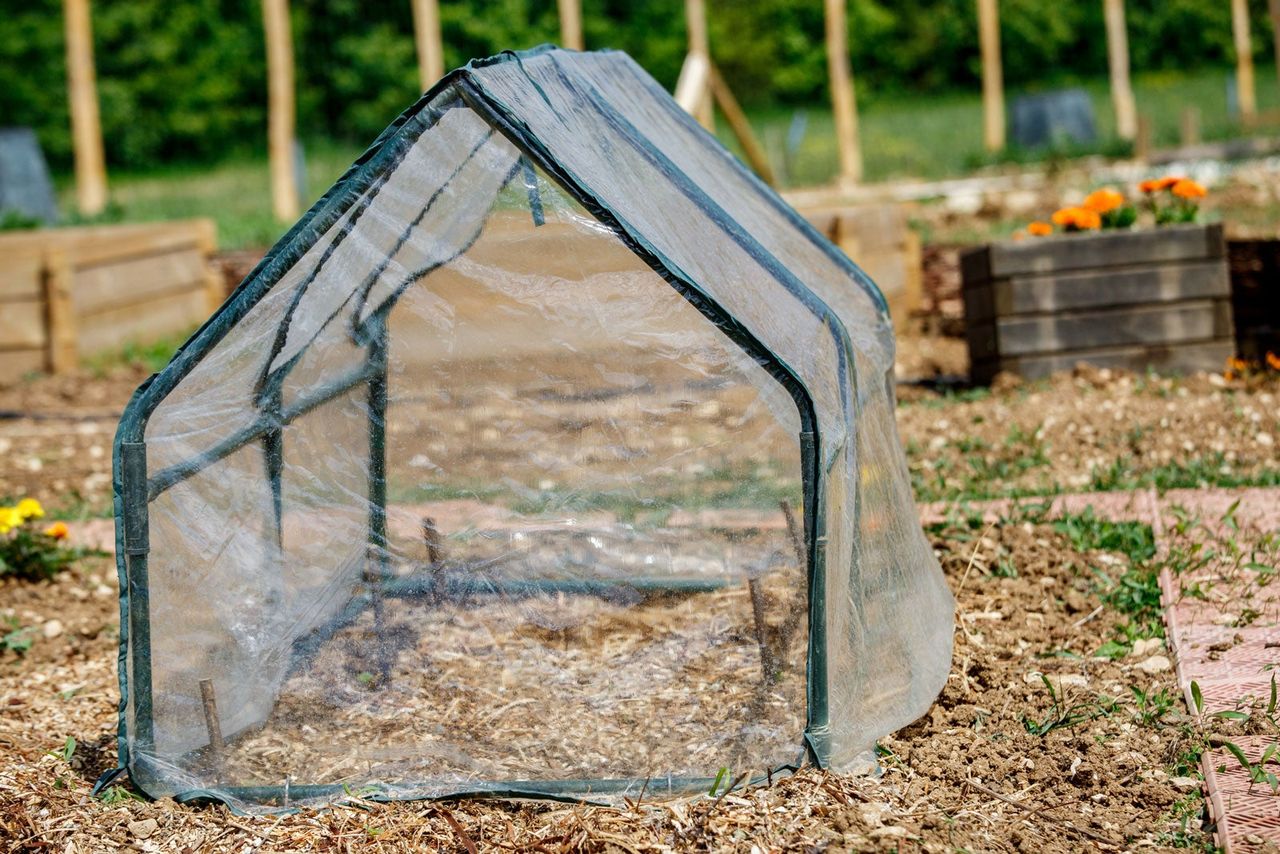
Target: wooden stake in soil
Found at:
x=799, y=605
x=431, y=538
x=795, y=534
x=768, y=658
x=86, y=127
x=214, y=726
x=992, y=75
x=280, y=109
x=374, y=580
x=1118, y=60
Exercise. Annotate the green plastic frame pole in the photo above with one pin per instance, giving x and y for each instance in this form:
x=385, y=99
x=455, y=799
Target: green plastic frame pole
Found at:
x=377, y=556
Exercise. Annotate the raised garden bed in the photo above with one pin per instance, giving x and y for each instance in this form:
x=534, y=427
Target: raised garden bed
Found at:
x=1156, y=299
x=1255, y=296
x=66, y=293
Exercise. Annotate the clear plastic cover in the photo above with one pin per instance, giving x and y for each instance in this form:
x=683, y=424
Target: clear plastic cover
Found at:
x=501, y=484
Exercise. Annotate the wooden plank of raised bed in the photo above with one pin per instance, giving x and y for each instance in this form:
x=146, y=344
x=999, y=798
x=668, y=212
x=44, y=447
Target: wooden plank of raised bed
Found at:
x=1079, y=251
x=1183, y=358
x=1194, y=320
x=110, y=250
x=20, y=275
x=25, y=361
x=981, y=337
x=141, y=323
x=22, y=324
x=91, y=245
x=1255, y=296
x=137, y=279
x=1112, y=287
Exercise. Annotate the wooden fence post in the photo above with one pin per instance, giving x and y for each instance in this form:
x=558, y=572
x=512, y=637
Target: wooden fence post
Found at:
x=843, y=98
x=1245, y=93
x=280, y=109
x=426, y=36
x=571, y=24
x=695, y=13
x=992, y=75
x=1189, y=125
x=1273, y=6
x=86, y=126
x=1118, y=59
x=751, y=148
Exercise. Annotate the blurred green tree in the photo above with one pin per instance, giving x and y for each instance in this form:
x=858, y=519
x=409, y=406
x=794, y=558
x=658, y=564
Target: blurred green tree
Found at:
x=186, y=82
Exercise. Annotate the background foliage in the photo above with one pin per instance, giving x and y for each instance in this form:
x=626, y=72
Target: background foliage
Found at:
x=185, y=81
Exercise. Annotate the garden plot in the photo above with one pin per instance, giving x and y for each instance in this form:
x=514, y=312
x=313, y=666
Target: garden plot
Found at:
x=1117, y=772
x=482, y=685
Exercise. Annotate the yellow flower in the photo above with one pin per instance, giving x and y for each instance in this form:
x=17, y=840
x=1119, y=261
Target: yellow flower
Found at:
x=1039, y=229
x=1103, y=201
x=9, y=519
x=1188, y=189
x=29, y=508
x=58, y=530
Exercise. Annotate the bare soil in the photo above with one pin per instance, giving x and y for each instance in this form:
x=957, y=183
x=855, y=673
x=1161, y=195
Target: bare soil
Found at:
x=1003, y=762
x=987, y=769
x=1092, y=430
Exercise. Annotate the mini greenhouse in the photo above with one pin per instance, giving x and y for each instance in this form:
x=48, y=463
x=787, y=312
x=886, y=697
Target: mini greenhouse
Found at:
x=550, y=454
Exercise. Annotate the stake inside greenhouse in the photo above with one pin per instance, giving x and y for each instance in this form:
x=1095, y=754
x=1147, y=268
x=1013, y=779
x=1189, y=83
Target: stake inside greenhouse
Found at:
x=550, y=454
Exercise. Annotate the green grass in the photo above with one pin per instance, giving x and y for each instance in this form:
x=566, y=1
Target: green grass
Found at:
x=726, y=487
x=152, y=356
x=906, y=135
x=1194, y=473
x=235, y=194
x=939, y=136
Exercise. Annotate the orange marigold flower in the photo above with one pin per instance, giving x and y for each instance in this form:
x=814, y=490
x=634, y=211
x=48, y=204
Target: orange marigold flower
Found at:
x=1103, y=201
x=1039, y=229
x=1273, y=361
x=1188, y=189
x=1087, y=220
x=1155, y=185
x=1077, y=218
x=58, y=530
